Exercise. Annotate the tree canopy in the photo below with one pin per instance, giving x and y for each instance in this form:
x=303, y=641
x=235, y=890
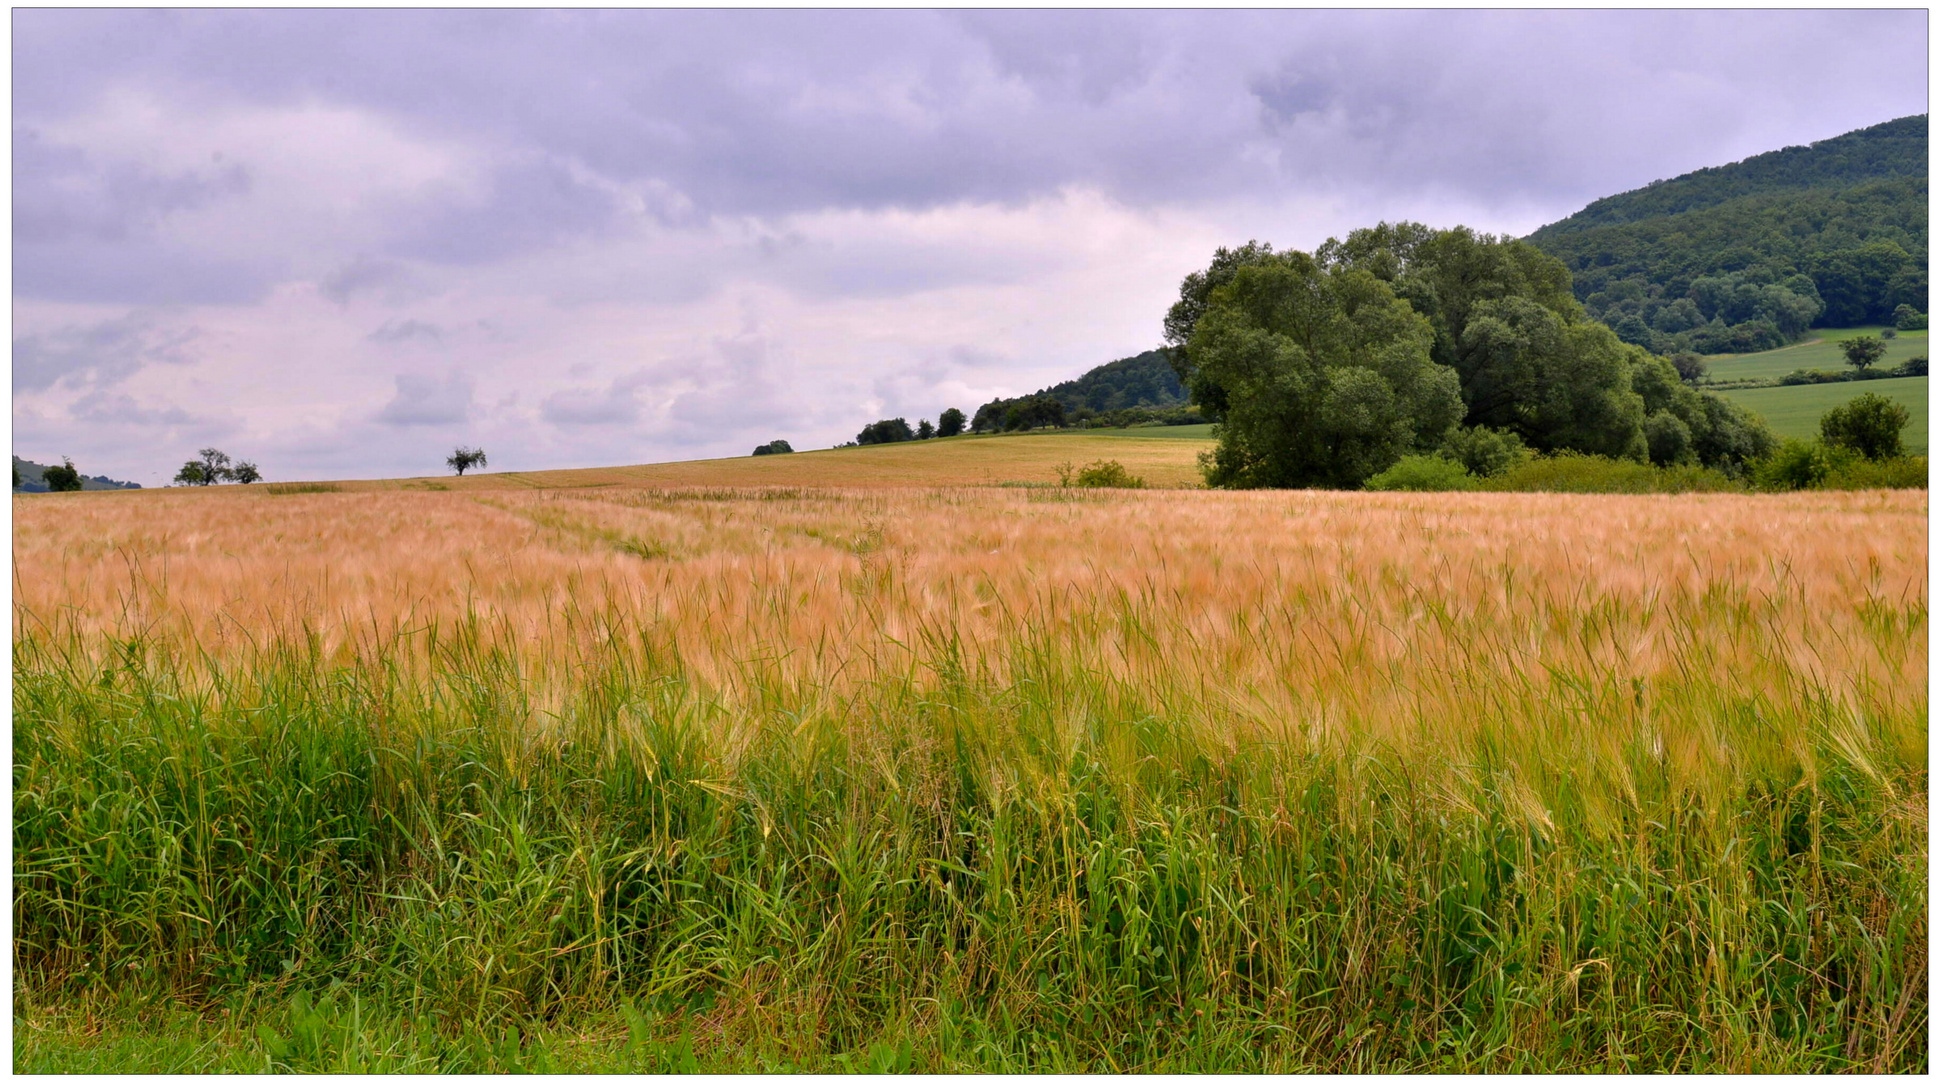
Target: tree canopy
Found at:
x=1324, y=376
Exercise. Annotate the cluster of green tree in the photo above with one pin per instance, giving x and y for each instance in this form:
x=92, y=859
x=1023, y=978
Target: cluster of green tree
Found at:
x=31, y=477
x=778, y=446
x=1137, y=389
x=1325, y=369
x=1745, y=257
x=1020, y=414
x=212, y=466
x=949, y=424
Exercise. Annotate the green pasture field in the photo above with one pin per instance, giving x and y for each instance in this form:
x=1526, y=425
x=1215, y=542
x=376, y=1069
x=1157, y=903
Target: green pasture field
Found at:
x=1167, y=431
x=1819, y=353
x=1794, y=410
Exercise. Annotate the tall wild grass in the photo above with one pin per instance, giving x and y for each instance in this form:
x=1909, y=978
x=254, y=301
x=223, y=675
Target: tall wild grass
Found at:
x=1366, y=810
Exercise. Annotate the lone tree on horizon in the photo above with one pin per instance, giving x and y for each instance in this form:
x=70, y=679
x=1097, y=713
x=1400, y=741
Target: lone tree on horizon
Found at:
x=464, y=458
x=1862, y=352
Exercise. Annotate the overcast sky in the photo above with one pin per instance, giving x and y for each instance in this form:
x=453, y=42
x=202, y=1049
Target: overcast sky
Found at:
x=340, y=243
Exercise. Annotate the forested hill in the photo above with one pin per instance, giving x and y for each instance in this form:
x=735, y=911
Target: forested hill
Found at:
x=1747, y=256
x=1144, y=381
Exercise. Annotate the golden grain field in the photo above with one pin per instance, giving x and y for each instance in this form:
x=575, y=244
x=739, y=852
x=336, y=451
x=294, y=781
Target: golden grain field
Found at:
x=1390, y=609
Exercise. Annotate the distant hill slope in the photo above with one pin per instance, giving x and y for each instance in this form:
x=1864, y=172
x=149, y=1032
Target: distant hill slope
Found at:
x=1144, y=381
x=31, y=479
x=1746, y=256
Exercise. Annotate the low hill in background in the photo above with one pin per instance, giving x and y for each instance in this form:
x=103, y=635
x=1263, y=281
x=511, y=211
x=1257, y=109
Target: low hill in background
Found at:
x=1141, y=387
x=1747, y=256
x=32, y=481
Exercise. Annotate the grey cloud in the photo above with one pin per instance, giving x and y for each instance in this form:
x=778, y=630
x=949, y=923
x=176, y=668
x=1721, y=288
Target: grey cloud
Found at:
x=769, y=111
x=530, y=205
x=63, y=194
x=100, y=354
x=87, y=230
x=740, y=388
x=399, y=330
x=618, y=403
x=388, y=278
x=587, y=119
x=121, y=410
x=421, y=399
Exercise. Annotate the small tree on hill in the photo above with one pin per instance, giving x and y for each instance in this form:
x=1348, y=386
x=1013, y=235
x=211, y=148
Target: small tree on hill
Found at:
x=925, y=430
x=245, y=472
x=950, y=423
x=1871, y=424
x=465, y=457
x=1862, y=352
x=62, y=477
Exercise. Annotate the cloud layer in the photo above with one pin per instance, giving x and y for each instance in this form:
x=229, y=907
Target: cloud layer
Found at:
x=343, y=239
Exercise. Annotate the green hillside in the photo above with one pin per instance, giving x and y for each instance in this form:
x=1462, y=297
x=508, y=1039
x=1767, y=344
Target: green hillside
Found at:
x=1135, y=388
x=32, y=480
x=1748, y=256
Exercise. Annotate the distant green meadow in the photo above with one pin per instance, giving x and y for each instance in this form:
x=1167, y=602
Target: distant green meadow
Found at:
x=1794, y=410
x=1819, y=353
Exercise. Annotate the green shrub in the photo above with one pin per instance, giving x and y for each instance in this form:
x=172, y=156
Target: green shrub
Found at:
x=1813, y=376
x=1567, y=471
x=1106, y=474
x=1484, y=451
x=1916, y=365
x=1860, y=474
x=1909, y=318
x=1798, y=464
x=1422, y=472
x=1869, y=424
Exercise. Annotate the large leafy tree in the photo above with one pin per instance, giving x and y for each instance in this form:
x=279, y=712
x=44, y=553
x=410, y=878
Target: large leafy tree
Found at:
x=1323, y=376
x=1505, y=320
x=1194, y=296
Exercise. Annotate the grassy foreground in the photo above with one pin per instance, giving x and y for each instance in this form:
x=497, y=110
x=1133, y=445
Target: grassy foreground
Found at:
x=773, y=779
